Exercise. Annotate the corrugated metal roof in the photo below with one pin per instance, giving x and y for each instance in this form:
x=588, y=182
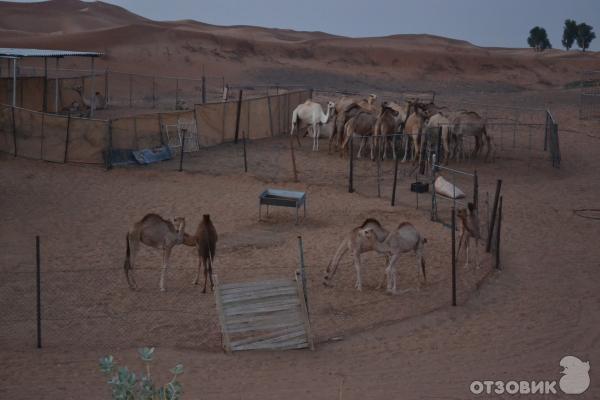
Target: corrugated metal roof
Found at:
x=8, y=52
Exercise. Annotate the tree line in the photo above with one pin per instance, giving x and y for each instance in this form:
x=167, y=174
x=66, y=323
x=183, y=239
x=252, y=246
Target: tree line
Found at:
x=582, y=34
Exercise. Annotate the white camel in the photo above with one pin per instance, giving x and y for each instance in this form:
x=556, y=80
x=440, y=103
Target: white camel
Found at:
x=311, y=114
x=357, y=245
x=436, y=122
x=404, y=239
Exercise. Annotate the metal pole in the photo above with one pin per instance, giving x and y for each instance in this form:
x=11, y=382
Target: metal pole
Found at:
x=245, y=157
x=395, y=179
x=93, y=103
x=453, y=256
x=237, y=116
x=181, y=155
x=109, y=150
x=106, y=100
x=493, y=220
x=302, y=270
x=45, y=102
x=14, y=128
x=14, y=93
x=293, y=159
x=203, y=89
x=351, y=167
x=498, y=234
x=38, y=286
x=56, y=88
x=67, y=139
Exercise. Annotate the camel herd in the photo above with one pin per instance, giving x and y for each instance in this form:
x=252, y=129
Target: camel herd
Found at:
x=366, y=121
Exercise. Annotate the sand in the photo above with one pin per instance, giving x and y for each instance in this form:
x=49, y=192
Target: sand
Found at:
x=513, y=324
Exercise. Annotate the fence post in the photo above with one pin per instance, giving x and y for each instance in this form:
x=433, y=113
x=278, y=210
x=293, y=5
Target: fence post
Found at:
x=107, y=101
x=546, y=130
x=14, y=129
x=476, y=191
x=67, y=139
x=270, y=116
x=130, y=91
x=395, y=179
x=379, y=170
x=245, y=157
x=45, y=102
x=493, y=219
x=303, y=271
x=498, y=234
x=181, y=155
x=154, y=92
x=237, y=116
x=203, y=89
x=293, y=158
x=433, y=199
x=38, y=286
x=109, y=151
x=351, y=167
x=453, y=256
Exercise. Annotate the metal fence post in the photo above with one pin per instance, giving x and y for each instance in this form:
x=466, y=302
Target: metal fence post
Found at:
x=181, y=155
x=351, y=167
x=38, y=286
x=303, y=271
x=493, y=219
x=67, y=139
x=237, y=116
x=395, y=179
x=245, y=156
x=203, y=89
x=453, y=256
x=498, y=234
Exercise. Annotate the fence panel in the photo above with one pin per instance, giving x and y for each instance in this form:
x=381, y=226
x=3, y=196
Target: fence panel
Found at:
x=7, y=144
x=55, y=135
x=88, y=139
x=28, y=127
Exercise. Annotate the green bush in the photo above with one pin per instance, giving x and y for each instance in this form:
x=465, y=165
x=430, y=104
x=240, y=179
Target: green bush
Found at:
x=126, y=385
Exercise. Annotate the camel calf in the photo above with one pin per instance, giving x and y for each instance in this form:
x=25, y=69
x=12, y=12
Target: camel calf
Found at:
x=405, y=238
x=205, y=240
x=153, y=231
x=469, y=229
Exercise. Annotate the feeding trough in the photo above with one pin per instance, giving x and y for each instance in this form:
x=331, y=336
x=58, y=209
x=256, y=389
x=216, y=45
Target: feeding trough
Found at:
x=282, y=198
x=419, y=187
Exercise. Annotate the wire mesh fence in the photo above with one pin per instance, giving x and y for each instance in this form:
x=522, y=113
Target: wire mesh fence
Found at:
x=589, y=95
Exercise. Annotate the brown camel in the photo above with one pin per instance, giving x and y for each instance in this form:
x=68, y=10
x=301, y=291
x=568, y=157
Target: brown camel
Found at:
x=386, y=126
x=414, y=129
x=404, y=239
x=205, y=240
x=346, y=108
x=153, y=231
x=469, y=229
x=362, y=125
x=357, y=245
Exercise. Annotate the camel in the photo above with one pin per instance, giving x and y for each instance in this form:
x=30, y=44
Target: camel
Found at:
x=362, y=125
x=205, y=240
x=100, y=102
x=311, y=114
x=404, y=239
x=414, y=128
x=357, y=245
x=346, y=108
x=386, y=126
x=469, y=230
x=436, y=122
x=153, y=231
x=469, y=123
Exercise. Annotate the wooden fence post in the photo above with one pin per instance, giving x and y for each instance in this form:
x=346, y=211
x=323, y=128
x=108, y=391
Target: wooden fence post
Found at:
x=237, y=116
x=38, y=286
x=493, y=219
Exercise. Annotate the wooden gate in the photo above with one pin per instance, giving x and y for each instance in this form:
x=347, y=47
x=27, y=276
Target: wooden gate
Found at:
x=265, y=315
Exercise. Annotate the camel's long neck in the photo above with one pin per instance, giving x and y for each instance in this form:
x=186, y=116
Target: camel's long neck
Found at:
x=325, y=117
x=381, y=234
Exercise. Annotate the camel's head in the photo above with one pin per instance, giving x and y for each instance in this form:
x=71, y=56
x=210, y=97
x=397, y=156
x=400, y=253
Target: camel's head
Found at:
x=371, y=99
x=368, y=234
x=179, y=223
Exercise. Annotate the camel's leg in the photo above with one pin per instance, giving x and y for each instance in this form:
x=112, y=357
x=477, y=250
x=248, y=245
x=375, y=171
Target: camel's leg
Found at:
x=460, y=240
x=360, y=148
x=317, y=132
x=406, y=144
x=210, y=273
x=166, y=256
x=356, y=257
x=391, y=274
x=205, y=262
x=332, y=137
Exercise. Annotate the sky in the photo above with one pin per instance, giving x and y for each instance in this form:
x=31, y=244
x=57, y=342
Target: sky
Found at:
x=502, y=23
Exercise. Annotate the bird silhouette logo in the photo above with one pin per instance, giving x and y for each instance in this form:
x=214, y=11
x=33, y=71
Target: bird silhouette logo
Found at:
x=576, y=377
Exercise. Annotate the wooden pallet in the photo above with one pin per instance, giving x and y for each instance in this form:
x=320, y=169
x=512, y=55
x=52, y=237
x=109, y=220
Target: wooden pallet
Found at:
x=265, y=315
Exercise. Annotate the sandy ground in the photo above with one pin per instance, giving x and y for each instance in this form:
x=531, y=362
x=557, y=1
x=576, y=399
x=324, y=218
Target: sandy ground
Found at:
x=518, y=324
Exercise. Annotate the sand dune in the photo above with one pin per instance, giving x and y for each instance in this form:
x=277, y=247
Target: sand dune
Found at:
x=262, y=55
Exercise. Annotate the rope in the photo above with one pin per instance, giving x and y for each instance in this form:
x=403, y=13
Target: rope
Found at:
x=583, y=213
